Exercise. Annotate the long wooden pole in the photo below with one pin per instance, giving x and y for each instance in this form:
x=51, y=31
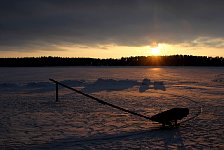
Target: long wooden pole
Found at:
x=98, y=100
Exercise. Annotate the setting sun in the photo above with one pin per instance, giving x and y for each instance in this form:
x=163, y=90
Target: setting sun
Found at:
x=155, y=51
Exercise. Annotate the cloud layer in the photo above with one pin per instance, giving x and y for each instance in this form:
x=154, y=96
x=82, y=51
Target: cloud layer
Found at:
x=30, y=24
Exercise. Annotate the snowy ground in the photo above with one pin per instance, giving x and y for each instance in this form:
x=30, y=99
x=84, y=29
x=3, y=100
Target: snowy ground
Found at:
x=31, y=119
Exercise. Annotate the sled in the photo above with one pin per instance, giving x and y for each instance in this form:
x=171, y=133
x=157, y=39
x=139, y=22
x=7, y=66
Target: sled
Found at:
x=170, y=117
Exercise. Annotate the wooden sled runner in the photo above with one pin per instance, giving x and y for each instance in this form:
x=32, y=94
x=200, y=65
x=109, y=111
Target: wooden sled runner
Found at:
x=167, y=118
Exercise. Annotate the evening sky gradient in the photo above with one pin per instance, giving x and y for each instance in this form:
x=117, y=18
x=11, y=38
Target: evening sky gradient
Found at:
x=54, y=25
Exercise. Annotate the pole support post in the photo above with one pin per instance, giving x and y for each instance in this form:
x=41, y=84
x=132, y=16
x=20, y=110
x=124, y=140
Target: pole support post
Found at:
x=56, y=92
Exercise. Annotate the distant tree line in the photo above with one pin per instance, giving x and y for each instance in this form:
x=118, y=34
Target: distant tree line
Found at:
x=174, y=60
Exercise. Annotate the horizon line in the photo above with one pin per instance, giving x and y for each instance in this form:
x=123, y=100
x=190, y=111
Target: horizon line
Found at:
x=111, y=57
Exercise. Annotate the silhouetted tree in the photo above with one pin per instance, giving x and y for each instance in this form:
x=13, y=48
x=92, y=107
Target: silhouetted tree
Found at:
x=174, y=60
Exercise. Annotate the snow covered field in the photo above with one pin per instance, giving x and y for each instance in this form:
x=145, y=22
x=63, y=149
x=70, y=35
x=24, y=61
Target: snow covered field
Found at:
x=31, y=119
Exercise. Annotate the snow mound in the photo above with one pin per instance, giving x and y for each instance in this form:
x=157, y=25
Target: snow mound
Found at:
x=74, y=83
x=37, y=86
x=147, y=84
x=109, y=84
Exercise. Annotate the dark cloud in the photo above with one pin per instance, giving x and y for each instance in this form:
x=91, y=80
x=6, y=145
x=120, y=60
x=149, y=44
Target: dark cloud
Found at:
x=30, y=23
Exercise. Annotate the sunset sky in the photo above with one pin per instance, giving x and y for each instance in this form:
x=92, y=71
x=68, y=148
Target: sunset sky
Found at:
x=111, y=28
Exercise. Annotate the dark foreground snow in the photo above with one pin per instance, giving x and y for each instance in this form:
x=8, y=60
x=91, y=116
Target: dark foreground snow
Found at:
x=31, y=119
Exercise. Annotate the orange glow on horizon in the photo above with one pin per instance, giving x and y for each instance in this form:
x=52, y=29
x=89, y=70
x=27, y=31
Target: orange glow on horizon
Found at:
x=116, y=51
